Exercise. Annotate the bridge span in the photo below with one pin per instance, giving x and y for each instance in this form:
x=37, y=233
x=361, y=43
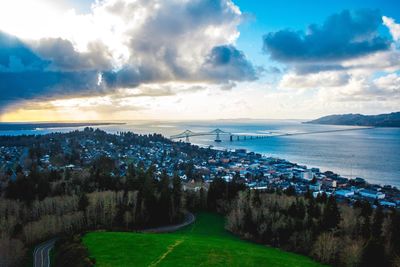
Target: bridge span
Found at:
x=218, y=132
x=243, y=136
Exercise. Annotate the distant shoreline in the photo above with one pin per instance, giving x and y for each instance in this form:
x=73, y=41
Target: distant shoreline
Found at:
x=354, y=125
x=391, y=120
x=5, y=126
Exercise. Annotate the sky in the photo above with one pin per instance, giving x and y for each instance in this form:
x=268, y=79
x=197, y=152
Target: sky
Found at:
x=71, y=60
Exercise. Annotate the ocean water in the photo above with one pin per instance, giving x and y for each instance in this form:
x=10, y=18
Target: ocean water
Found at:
x=371, y=153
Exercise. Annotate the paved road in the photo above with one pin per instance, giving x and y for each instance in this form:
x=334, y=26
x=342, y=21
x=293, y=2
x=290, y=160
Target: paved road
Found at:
x=41, y=254
x=189, y=219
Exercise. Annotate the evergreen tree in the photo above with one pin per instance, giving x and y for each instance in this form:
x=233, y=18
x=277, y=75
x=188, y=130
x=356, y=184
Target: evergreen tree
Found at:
x=177, y=194
x=331, y=214
x=132, y=181
x=83, y=202
x=165, y=204
x=149, y=201
x=373, y=254
x=216, y=191
x=376, y=227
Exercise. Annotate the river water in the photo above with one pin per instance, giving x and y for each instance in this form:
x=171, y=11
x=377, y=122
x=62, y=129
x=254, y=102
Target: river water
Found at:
x=373, y=154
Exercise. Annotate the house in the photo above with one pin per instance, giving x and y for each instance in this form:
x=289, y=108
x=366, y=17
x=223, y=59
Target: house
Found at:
x=315, y=187
x=317, y=193
x=306, y=175
x=372, y=194
x=344, y=193
x=329, y=182
x=387, y=204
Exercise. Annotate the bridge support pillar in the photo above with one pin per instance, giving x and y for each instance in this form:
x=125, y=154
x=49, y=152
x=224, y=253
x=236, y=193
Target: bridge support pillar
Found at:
x=231, y=138
x=217, y=139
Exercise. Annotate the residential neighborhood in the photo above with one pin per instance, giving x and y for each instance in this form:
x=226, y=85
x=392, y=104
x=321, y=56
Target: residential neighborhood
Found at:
x=75, y=152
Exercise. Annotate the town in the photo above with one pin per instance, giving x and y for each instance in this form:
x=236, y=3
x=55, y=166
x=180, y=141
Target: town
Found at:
x=76, y=151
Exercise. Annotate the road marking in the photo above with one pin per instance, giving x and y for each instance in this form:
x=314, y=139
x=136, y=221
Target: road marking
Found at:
x=37, y=249
x=41, y=253
x=42, y=257
x=48, y=255
x=169, y=250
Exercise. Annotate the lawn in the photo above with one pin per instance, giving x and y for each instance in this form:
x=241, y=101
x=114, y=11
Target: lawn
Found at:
x=205, y=243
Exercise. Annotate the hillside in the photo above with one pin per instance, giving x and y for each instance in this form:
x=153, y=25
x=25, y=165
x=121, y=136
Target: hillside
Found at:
x=382, y=120
x=204, y=243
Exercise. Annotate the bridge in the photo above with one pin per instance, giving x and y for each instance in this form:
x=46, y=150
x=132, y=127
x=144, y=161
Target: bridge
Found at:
x=217, y=132
x=239, y=136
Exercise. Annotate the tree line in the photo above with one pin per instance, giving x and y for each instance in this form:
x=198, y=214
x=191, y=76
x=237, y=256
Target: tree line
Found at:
x=43, y=205
x=144, y=201
x=334, y=234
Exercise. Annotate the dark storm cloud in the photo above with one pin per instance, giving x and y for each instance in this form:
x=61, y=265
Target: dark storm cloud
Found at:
x=223, y=64
x=176, y=42
x=24, y=75
x=15, y=56
x=63, y=56
x=57, y=70
x=228, y=63
x=342, y=36
x=18, y=86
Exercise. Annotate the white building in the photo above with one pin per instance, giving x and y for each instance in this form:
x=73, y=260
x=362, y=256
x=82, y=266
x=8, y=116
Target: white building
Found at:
x=307, y=175
x=315, y=194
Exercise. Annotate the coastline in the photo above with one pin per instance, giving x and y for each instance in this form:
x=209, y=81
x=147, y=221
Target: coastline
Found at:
x=327, y=151
x=323, y=169
x=11, y=126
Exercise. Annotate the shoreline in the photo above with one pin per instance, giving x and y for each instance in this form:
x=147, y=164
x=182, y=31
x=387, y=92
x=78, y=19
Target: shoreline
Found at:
x=220, y=148
x=8, y=127
x=323, y=169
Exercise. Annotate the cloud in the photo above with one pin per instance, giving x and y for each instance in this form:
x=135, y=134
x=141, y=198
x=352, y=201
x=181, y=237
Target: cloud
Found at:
x=123, y=44
x=339, y=61
x=394, y=28
x=384, y=89
x=314, y=80
x=159, y=90
x=22, y=86
x=62, y=55
x=17, y=57
x=390, y=82
x=226, y=63
x=342, y=36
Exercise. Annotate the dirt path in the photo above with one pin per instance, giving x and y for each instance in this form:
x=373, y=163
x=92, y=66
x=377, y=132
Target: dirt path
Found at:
x=169, y=250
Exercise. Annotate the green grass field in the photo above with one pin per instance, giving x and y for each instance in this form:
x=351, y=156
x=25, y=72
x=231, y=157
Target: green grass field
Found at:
x=205, y=243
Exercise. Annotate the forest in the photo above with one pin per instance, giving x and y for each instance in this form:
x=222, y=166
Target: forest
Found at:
x=27, y=218
x=339, y=235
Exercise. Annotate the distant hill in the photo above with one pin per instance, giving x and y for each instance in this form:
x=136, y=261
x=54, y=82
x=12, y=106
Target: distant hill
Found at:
x=382, y=120
x=10, y=126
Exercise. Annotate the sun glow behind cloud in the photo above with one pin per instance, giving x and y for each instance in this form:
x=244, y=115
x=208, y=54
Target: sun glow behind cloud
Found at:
x=30, y=19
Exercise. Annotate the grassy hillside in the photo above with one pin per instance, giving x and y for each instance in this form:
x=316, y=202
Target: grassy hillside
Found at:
x=204, y=243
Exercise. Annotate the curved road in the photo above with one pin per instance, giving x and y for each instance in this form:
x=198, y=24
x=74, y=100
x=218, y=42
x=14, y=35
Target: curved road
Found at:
x=41, y=254
x=189, y=219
